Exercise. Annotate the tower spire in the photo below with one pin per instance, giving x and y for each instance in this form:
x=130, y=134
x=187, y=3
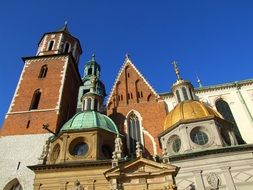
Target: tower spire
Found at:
x=174, y=63
x=199, y=82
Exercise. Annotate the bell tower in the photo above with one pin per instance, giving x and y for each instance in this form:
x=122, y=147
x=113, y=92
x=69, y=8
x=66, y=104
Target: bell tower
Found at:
x=48, y=86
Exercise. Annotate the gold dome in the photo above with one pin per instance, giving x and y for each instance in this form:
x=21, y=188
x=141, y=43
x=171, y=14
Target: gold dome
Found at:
x=187, y=111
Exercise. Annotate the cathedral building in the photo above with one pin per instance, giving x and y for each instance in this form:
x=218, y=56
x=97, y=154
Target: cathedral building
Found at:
x=60, y=134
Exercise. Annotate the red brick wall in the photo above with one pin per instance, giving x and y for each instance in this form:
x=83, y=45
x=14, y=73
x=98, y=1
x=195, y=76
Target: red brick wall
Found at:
x=16, y=124
x=69, y=95
x=152, y=111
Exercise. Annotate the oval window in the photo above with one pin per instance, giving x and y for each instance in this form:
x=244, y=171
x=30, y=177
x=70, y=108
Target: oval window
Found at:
x=80, y=149
x=176, y=144
x=199, y=137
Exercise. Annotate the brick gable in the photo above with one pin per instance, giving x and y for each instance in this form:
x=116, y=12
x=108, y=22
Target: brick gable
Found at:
x=132, y=92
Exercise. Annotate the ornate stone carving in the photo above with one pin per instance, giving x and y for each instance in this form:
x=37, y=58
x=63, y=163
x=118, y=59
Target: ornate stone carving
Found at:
x=170, y=187
x=138, y=149
x=118, y=148
x=213, y=180
x=78, y=185
x=42, y=159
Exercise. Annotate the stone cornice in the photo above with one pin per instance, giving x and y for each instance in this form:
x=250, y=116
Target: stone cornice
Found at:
x=229, y=149
x=41, y=167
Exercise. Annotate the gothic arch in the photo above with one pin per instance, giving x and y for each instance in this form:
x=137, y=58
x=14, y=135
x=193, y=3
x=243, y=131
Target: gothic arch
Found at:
x=35, y=99
x=133, y=130
x=67, y=47
x=43, y=71
x=50, y=45
x=224, y=109
x=14, y=184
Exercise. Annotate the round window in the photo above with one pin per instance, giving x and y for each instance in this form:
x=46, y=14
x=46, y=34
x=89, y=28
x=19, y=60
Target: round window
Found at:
x=80, y=149
x=199, y=137
x=176, y=144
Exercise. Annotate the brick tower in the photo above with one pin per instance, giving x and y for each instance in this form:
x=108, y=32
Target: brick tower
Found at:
x=46, y=93
x=47, y=88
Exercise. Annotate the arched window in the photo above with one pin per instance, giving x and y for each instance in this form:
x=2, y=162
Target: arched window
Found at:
x=50, y=45
x=185, y=94
x=133, y=131
x=224, y=109
x=13, y=185
x=67, y=47
x=191, y=93
x=89, y=104
x=178, y=96
x=95, y=104
x=35, y=100
x=43, y=71
x=89, y=71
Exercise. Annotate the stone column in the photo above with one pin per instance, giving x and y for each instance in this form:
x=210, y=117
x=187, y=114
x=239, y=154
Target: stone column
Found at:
x=64, y=148
x=228, y=178
x=185, y=138
x=199, y=180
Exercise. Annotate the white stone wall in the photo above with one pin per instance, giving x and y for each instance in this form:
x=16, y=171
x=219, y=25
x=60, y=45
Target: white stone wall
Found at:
x=234, y=170
x=237, y=105
x=25, y=149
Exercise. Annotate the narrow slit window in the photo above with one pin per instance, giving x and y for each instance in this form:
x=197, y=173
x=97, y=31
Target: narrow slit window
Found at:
x=28, y=124
x=67, y=48
x=50, y=45
x=43, y=71
x=35, y=100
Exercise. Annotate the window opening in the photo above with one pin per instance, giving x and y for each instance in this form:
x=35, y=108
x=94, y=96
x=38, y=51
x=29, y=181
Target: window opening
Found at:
x=89, y=104
x=28, y=124
x=185, y=94
x=224, y=109
x=35, y=100
x=134, y=132
x=50, y=46
x=89, y=71
x=66, y=50
x=178, y=96
x=43, y=71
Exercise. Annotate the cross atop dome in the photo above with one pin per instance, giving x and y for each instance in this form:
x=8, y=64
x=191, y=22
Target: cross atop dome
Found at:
x=174, y=63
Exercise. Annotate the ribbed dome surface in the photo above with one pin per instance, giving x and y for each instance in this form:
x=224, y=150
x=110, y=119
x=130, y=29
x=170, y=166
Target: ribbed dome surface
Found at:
x=90, y=119
x=189, y=110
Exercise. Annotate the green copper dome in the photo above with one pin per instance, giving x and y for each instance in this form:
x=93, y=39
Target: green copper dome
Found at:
x=88, y=120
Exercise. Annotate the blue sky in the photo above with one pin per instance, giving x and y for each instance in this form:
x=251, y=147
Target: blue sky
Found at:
x=211, y=38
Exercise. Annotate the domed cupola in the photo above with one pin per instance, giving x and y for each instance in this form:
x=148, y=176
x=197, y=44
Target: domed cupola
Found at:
x=89, y=120
x=92, y=92
x=192, y=125
x=182, y=89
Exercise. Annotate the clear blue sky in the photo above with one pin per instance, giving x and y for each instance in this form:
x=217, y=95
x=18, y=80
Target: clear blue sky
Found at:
x=213, y=38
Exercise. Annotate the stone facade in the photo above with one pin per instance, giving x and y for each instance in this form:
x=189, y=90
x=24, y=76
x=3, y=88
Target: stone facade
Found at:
x=17, y=152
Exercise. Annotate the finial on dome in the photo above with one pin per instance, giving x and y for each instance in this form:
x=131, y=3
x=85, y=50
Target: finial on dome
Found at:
x=93, y=56
x=127, y=56
x=199, y=82
x=174, y=63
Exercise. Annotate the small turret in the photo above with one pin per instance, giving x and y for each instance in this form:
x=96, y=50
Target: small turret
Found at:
x=59, y=42
x=182, y=89
x=92, y=92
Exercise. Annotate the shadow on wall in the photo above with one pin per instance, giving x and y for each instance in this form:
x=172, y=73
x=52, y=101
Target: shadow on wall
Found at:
x=119, y=120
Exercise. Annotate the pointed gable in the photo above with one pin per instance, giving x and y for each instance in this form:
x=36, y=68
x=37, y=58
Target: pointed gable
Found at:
x=141, y=173
x=130, y=86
